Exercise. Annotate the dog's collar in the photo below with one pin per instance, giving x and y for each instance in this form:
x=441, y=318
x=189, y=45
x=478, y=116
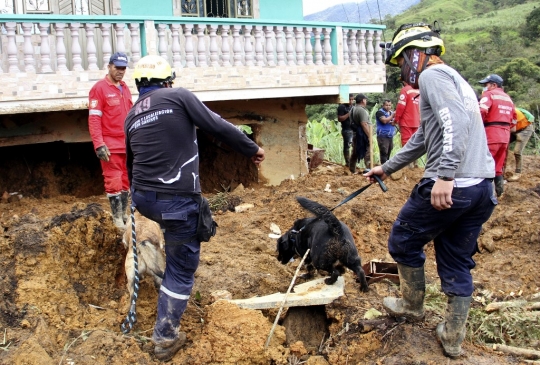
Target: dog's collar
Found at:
x=295, y=240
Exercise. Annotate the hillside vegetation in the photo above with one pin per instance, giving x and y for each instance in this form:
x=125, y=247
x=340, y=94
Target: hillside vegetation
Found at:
x=483, y=37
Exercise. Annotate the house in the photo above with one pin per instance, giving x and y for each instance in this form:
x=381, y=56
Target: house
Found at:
x=254, y=62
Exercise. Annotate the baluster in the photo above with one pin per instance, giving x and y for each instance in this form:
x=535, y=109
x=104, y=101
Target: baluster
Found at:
x=370, y=49
x=299, y=37
x=91, y=47
x=269, y=47
x=60, y=47
x=175, y=47
x=225, y=48
x=327, y=49
x=279, y=45
x=248, y=49
x=362, y=45
x=318, y=48
x=12, y=47
x=378, y=49
x=28, y=50
x=259, y=57
x=289, y=48
x=120, y=45
x=309, y=48
x=162, y=40
x=76, y=47
x=135, y=42
x=346, y=60
x=189, y=45
x=201, y=46
x=237, y=45
x=45, y=48
x=214, y=57
x=353, y=38
x=106, y=48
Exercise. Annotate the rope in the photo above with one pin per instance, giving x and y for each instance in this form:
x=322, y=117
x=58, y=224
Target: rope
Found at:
x=131, y=317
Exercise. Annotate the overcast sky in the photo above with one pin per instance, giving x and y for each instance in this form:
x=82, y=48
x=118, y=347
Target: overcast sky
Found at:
x=313, y=6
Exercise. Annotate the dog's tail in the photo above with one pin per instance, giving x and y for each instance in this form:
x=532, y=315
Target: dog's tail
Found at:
x=323, y=213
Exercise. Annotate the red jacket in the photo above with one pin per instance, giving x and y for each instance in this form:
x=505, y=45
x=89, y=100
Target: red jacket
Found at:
x=108, y=108
x=498, y=113
x=407, y=110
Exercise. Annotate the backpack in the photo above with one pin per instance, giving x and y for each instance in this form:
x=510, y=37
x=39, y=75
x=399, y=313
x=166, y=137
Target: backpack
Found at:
x=522, y=121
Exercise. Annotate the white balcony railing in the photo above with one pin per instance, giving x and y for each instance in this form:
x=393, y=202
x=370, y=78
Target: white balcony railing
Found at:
x=49, y=43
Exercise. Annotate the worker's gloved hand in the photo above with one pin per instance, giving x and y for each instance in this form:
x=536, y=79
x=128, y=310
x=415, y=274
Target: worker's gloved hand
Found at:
x=103, y=153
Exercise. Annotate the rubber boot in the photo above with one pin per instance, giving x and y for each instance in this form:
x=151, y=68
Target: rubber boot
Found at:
x=451, y=332
x=499, y=185
x=413, y=288
x=165, y=351
x=116, y=208
x=125, y=207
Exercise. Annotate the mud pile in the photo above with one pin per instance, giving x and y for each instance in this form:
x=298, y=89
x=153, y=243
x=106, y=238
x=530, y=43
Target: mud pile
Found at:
x=64, y=295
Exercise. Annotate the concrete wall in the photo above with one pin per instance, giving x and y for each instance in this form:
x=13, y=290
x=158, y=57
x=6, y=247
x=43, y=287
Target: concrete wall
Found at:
x=281, y=133
x=145, y=7
x=282, y=9
x=279, y=126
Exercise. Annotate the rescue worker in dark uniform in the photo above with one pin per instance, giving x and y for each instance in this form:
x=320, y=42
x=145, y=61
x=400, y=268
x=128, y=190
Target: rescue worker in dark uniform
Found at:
x=498, y=114
x=347, y=132
x=163, y=171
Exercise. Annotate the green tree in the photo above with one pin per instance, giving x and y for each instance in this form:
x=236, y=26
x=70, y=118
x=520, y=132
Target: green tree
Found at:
x=531, y=29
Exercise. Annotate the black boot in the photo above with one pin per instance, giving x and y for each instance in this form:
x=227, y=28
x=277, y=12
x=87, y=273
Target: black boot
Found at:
x=116, y=208
x=499, y=185
x=413, y=288
x=451, y=332
x=124, y=197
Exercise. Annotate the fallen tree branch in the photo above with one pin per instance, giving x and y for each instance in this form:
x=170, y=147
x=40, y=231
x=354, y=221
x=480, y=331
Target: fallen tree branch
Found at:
x=518, y=351
x=285, y=300
x=492, y=307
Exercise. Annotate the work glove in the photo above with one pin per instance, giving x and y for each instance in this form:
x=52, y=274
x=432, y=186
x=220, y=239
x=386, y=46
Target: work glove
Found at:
x=103, y=153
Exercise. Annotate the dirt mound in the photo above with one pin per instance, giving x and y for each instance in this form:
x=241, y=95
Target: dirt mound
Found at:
x=64, y=295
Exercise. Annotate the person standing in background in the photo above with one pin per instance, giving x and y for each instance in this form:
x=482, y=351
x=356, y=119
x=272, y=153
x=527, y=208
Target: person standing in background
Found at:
x=343, y=113
x=521, y=133
x=385, y=130
x=498, y=114
x=109, y=103
x=407, y=115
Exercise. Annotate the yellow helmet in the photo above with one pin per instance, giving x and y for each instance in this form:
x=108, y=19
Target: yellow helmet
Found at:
x=153, y=68
x=417, y=35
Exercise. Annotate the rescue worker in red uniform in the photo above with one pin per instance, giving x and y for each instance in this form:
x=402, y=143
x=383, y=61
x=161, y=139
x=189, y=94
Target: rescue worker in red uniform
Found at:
x=109, y=103
x=407, y=112
x=498, y=114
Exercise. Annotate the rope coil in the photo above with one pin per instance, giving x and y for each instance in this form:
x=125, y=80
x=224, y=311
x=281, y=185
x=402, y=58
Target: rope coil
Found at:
x=131, y=317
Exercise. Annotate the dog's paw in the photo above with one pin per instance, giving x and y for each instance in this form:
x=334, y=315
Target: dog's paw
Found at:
x=330, y=281
x=305, y=276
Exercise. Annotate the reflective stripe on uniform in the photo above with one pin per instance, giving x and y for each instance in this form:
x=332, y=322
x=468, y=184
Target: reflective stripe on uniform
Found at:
x=174, y=295
x=501, y=97
x=95, y=112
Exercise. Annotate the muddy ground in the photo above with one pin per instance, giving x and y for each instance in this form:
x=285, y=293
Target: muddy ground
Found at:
x=64, y=294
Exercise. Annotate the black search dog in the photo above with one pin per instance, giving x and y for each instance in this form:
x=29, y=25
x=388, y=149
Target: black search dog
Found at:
x=330, y=242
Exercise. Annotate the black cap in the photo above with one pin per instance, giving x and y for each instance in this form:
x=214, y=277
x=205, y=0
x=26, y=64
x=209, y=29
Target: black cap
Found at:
x=360, y=97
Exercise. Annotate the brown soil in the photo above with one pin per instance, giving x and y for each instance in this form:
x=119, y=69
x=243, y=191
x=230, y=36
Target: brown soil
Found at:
x=64, y=296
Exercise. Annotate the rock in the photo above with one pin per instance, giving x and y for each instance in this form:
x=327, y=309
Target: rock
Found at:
x=220, y=294
x=317, y=360
x=238, y=189
x=243, y=207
